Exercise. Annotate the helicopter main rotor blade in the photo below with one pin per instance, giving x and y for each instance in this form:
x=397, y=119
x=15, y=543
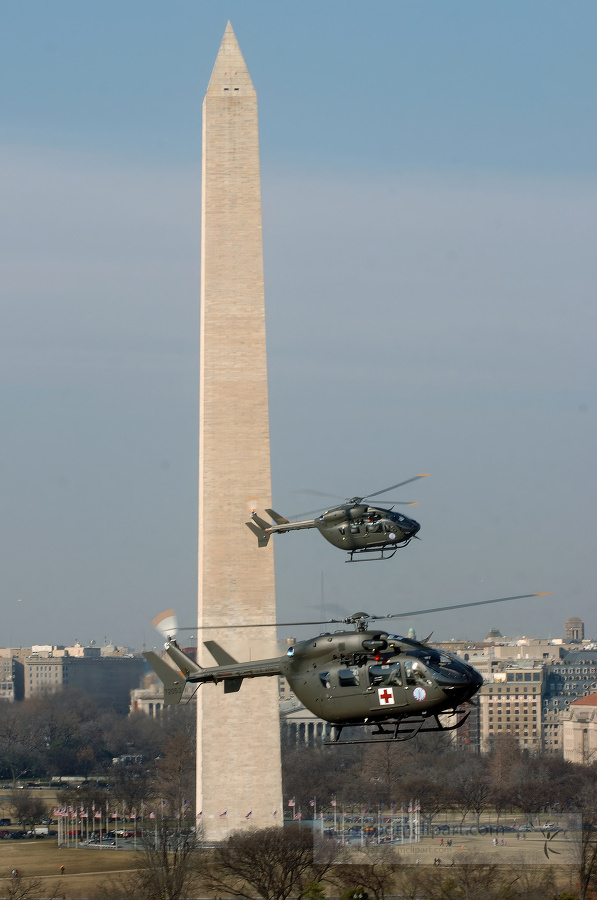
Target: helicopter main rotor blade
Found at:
x=424, y=612
x=351, y=619
x=265, y=625
x=397, y=502
x=317, y=493
x=392, y=486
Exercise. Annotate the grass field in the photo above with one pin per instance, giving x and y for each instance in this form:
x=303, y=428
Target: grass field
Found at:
x=84, y=868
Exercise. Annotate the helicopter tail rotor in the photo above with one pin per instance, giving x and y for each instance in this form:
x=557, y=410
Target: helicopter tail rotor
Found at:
x=166, y=623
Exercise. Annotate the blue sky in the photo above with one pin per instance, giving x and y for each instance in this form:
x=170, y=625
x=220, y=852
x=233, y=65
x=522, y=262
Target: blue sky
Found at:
x=429, y=209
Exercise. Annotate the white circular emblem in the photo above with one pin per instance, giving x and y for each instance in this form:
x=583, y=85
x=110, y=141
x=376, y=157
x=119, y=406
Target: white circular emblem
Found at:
x=391, y=536
x=419, y=693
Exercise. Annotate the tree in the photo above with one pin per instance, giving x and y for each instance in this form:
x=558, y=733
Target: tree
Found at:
x=175, y=775
x=132, y=787
x=171, y=868
x=17, y=742
x=374, y=873
x=20, y=888
x=585, y=855
x=271, y=862
x=27, y=808
x=471, y=786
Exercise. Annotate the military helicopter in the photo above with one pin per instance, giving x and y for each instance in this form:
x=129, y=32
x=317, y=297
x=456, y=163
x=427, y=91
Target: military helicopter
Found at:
x=395, y=687
x=355, y=525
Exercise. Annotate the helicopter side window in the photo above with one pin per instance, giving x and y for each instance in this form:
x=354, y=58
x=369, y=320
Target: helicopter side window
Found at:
x=415, y=672
x=324, y=677
x=342, y=529
x=348, y=678
x=373, y=527
x=385, y=674
x=355, y=529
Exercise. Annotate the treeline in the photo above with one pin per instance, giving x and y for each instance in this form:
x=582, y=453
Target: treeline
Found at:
x=439, y=776
x=67, y=733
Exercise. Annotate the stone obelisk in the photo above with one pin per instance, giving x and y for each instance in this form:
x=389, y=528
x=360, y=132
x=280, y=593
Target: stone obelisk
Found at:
x=238, y=734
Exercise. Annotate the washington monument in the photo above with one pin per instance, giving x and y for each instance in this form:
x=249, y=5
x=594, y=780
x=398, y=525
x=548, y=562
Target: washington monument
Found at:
x=238, y=734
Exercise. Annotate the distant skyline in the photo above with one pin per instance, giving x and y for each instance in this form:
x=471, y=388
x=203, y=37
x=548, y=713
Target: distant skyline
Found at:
x=429, y=210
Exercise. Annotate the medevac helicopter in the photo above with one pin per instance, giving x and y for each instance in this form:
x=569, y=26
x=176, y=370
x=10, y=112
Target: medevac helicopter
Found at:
x=395, y=686
x=354, y=526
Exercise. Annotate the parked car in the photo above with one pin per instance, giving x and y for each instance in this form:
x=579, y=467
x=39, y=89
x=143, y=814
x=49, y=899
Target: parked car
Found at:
x=5, y=822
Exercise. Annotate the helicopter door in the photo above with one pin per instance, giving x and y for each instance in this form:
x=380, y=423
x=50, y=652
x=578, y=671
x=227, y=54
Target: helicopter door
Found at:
x=388, y=675
x=351, y=683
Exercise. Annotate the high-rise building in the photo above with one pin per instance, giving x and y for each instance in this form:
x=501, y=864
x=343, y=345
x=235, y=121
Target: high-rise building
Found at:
x=238, y=733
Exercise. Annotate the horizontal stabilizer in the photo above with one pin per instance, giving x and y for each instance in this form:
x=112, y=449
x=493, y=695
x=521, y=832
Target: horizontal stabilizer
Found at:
x=219, y=654
x=174, y=682
x=261, y=522
x=262, y=536
x=278, y=519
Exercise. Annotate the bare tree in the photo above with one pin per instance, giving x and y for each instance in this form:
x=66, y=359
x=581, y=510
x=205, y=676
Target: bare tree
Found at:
x=175, y=775
x=270, y=862
x=585, y=855
x=27, y=808
x=375, y=873
x=20, y=888
x=170, y=871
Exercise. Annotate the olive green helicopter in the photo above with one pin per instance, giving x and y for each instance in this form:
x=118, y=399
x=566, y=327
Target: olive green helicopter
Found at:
x=392, y=686
x=360, y=528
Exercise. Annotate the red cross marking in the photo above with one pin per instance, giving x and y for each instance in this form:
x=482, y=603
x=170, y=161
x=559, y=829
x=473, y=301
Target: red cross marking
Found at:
x=386, y=695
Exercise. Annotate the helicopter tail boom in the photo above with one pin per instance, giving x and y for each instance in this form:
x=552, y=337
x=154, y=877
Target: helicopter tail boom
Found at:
x=264, y=529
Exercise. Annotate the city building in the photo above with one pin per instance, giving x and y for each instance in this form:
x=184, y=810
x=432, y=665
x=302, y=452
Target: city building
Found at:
x=108, y=679
x=579, y=727
x=511, y=704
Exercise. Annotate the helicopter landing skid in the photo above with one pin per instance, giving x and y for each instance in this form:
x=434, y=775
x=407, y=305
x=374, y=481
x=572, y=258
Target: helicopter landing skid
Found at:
x=411, y=728
x=383, y=552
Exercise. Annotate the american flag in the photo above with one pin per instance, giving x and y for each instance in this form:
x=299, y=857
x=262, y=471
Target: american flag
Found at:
x=152, y=815
x=298, y=816
x=333, y=802
x=291, y=802
x=311, y=802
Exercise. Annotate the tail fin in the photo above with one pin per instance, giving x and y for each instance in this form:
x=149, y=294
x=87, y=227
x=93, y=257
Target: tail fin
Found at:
x=278, y=519
x=174, y=682
x=219, y=654
x=262, y=536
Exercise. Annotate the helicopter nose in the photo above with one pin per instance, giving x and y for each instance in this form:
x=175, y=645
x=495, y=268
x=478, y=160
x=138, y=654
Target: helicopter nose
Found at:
x=410, y=526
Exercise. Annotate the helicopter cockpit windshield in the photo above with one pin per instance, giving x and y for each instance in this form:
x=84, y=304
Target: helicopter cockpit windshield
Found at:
x=442, y=666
